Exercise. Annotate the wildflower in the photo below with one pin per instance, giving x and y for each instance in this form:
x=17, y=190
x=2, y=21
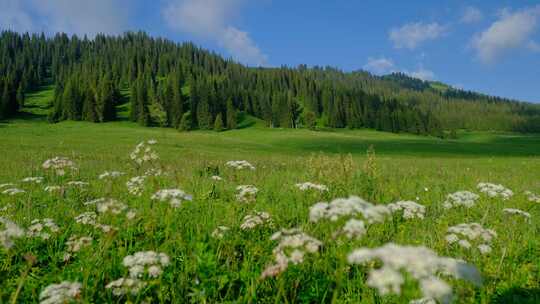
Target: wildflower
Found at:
x=464, y=234
x=75, y=244
x=423, y=301
x=13, y=191
x=246, y=193
x=495, y=190
x=517, y=212
x=7, y=185
x=532, y=197
x=351, y=206
x=146, y=261
x=240, y=165
x=52, y=188
x=144, y=153
x=77, y=184
x=5, y=208
x=460, y=198
x=354, y=229
x=153, y=172
x=87, y=218
x=151, y=141
x=38, y=226
x=64, y=292
x=421, y=263
x=59, y=165
x=174, y=196
x=292, y=247
x=8, y=231
x=136, y=185
x=220, y=231
x=251, y=221
x=124, y=286
x=110, y=205
x=110, y=174
x=307, y=186
x=410, y=209
x=216, y=178
x=35, y=180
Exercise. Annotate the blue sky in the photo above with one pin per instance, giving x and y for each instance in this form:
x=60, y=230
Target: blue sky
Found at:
x=487, y=46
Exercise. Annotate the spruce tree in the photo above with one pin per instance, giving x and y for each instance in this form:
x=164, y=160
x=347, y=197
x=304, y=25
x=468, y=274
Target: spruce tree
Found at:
x=218, y=124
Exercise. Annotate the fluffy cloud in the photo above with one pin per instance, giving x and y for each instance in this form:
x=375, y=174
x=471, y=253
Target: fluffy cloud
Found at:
x=471, y=15
x=69, y=16
x=411, y=35
x=210, y=19
x=379, y=66
x=422, y=74
x=511, y=31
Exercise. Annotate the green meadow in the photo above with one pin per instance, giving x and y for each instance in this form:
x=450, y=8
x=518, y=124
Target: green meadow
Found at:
x=379, y=167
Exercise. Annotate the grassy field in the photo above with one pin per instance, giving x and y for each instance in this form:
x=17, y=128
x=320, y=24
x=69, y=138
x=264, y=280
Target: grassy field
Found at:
x=204, y=268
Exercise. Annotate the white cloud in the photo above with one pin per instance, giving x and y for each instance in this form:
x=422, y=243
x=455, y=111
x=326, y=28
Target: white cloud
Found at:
x=422, y=74
x=471, y=15
x=411, y=35
x=510, y=31
x=379, y=66
x=210, y=19
x=69, y=16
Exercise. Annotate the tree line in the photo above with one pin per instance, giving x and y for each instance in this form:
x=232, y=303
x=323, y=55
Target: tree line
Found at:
x=186, y=87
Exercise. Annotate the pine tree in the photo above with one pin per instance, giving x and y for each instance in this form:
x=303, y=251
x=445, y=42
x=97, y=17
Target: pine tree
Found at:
x=218, y=124
x=231, y=115
x=186, y=123
x=20, y=96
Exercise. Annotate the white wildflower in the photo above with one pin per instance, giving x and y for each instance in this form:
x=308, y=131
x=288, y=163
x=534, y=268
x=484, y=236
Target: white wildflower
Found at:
x=423, y=301
x=220, y=231
x=464, y=243
x=42, y=228
x=153, y=172
x=517, y=212
x=484, y=248
x=86, y=218
x=532, y=197
x=246, y=193
x=75, y=244
x=62, y=293
x=59, y=165
x=216, y=178
x=251, y=221
x=13, y=191
x=460, y=198
x=464, y=234
x=421, y=263
x=34, y=180
x=9, y=231
x=354, y=229
x=77, y=183
x=351, y=206
x=110, y=174
x=7, y=185
x=410, y=209
x=240, y=165
x=52, y=188
x=136, y=185
x=173, y=196
x=146, y=262
x=308, y=186
x=495, y=190
x=292, y=247
x=124, y=286
x=143, y=153
x=111, y=206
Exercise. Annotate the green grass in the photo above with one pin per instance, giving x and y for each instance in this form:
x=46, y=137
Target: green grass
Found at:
x=208, y=270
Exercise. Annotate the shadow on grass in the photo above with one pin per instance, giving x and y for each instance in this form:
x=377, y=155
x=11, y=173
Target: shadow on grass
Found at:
x=517, y=295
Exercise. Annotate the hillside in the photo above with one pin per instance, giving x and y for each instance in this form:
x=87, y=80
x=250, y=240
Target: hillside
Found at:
x=159, y=82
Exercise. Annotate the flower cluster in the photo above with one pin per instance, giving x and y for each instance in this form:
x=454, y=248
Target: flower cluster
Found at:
x=308, y=186
x=59, y=165
x=149, y=262
x=460, y=198
x=292, y=248
x=532, y=197
x=135, y=185
x=351, y=206
x=173, y=196
x=409, y=209
x=422, y=264
x=353, y=229
x=246, y=193
x=75, y=244
x=495, y=190
x=143, y=153
x=517, y=212
x=110, y=174
x=8, y=231
x=39, y=227
x=77, y=184
x=13, y=191
x=251, y=221
x=90, y=218
x=464, y=234
x=34, y=180
x=220, y=231
x=65, y=292
x=216, y=178
x=240, y=165
x=125, y=286
x=52, y=188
